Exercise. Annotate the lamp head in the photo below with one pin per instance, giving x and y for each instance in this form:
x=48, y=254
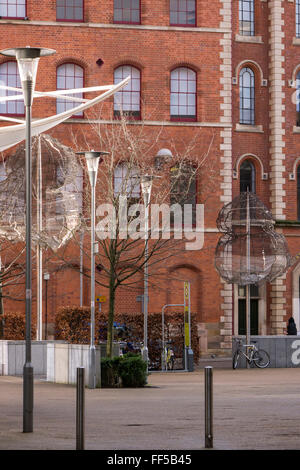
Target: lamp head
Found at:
x=163, y=156
x=27, y=59
x=93, y=158
x=146, y=183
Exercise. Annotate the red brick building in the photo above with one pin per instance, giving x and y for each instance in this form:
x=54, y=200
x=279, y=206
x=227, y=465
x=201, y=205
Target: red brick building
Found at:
x=227, y=70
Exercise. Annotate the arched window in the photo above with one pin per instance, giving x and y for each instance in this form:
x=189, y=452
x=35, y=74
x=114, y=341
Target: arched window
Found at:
x=13, y=8
x=246, y=17
x=183, y=12
x=297, y=18
x=183, y=94
x=9, y=76
x=127, y=11
x=69, y=76
x=128, y=100
x=247, y=96
x=247, y=177
x=69, y=10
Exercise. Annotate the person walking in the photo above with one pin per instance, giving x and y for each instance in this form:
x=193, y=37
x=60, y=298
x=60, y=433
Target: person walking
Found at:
x=291, y=328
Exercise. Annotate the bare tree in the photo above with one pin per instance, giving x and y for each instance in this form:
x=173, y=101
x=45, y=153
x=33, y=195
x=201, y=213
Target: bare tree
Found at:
x=125, y=248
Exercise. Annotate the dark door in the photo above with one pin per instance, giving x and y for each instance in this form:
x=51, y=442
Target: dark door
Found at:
x=253, y=316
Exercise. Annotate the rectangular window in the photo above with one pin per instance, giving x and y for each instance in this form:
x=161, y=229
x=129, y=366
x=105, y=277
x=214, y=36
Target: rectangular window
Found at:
x=13, y=8
x=127, y=181
x=127, y=11
x=182, y=12
x=69, y=10
x=246, y=17
x=298, y=18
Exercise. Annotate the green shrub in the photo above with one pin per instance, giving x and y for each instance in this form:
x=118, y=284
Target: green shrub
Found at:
x=133, y=371
x=130, y=369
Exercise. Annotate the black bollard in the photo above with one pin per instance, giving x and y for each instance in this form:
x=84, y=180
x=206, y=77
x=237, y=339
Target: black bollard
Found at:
x=208, y=407
x=80, y=405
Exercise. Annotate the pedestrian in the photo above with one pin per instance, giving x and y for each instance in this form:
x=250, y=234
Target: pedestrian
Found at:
x=291, y=329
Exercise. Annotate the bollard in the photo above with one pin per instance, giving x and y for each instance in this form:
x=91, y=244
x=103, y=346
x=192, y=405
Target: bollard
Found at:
x=80, y=409
x=208, y=407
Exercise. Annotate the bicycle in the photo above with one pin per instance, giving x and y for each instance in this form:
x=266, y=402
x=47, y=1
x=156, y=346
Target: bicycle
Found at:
x=168, y=358
x=257, y=356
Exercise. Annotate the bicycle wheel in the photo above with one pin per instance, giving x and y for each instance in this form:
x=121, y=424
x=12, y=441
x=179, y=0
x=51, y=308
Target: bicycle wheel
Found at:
x=261, y=358
x=235, y=360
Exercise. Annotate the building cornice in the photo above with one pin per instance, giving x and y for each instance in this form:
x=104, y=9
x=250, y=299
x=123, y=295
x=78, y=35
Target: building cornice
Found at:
x=117, y=26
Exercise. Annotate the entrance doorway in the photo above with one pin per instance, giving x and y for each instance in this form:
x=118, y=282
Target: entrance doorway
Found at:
x=254, y=310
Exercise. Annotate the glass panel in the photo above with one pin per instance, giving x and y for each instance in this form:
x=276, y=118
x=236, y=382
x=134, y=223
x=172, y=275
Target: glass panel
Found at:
x=118, y=15
x=183, y=74
x=173, y=17
x=174, y=86
x=174, y=100
x=60, y=12
x=183, y=86
x=135, y=16
x=11, y=11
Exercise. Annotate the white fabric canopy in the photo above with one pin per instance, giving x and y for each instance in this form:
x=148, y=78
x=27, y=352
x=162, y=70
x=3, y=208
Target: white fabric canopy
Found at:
x=12, y=135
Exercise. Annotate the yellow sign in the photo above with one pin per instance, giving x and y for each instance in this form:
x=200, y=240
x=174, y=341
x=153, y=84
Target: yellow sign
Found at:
x=187, y=334
x=101, y=299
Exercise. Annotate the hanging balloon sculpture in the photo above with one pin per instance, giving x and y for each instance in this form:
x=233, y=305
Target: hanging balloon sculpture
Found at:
x=57, y=193
x=250, y=251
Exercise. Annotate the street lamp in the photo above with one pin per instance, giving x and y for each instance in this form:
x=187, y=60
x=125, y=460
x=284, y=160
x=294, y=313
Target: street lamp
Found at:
x=146, y=184
x=92, y=160
x=27, y=59
x=163, y=156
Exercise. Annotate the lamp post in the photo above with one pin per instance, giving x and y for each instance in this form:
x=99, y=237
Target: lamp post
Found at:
x=92, y=160
x=27, y=59
x=146, y=184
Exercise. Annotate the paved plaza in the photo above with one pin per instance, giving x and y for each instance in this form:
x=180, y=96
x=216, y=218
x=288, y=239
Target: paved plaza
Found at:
x=253, y=409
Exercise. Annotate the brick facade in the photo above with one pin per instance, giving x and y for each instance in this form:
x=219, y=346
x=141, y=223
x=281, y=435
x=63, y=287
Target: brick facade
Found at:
x=216, y=51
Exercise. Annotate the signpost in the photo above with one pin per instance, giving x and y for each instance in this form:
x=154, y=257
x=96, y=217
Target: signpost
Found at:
x=188, y=352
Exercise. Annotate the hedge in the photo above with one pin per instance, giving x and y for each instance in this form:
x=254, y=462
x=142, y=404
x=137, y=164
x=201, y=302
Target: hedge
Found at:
x=127, y=371
x=72, y=324
x=14, y=326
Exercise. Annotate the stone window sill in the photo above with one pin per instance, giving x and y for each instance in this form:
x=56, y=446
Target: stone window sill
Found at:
x=249, y=39
x=248, y=128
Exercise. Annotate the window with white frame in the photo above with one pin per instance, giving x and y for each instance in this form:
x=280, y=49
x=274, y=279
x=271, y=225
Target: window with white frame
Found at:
x=9, y=77
x=69, y=76
x=183, y=94
x=128, y=100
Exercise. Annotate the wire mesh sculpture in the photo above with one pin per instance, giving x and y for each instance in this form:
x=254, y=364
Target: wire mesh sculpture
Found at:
x=60, y=179
x=250, y=251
